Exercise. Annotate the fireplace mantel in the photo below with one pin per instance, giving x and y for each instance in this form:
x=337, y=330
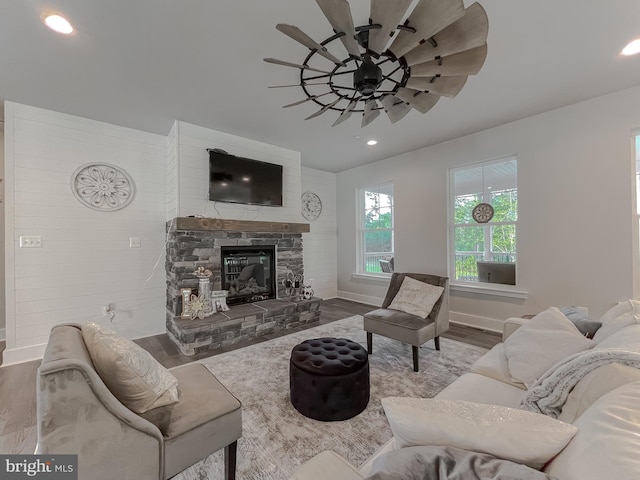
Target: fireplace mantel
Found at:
x=226, y=225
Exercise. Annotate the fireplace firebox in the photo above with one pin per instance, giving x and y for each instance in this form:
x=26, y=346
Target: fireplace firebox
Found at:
x=248, y=273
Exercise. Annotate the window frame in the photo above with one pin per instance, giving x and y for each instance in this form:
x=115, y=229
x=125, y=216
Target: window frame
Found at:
x=360, y=226
x=513, y=291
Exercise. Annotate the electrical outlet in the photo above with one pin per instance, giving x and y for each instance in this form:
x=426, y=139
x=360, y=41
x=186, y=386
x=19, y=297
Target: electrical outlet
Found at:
x=134, y=242
x=31, y=241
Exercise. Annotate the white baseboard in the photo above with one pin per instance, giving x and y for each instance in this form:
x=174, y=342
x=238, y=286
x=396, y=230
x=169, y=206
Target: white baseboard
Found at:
x=23, y=354
x=484, y=323
x=3, y=334
x=356, y=297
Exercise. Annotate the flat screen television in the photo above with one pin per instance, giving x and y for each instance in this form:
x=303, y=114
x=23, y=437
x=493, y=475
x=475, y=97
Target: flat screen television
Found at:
x=497, y=272
x=235, y=179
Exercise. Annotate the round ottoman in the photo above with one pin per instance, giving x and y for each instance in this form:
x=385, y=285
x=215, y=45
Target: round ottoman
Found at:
x=329, y=378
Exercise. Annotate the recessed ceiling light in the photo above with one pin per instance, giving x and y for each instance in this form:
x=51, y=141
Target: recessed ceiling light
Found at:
x=372, y=142
x=58, y=24
x=632, y=48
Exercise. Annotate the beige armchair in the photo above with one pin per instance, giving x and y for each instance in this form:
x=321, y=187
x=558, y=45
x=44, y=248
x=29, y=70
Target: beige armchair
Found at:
x=78, y=414
x=406, y=327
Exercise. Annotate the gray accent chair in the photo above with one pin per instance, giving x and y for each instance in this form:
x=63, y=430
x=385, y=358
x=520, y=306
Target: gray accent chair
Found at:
x=77, y=414
x=406, y=327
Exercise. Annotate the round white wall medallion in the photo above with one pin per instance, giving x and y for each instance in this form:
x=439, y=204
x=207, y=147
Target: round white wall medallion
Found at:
x=311, y=206
x=102, y=187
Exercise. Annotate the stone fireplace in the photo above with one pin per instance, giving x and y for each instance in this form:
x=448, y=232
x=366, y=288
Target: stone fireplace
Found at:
x=245, y=257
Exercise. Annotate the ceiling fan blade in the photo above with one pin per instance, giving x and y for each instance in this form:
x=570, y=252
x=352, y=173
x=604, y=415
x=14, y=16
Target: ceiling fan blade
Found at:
x=297, y=85
x=323, y=109
x=445, y=86
x=469, y=32
x=387, y=13
x=299, y=102
x=428, y=18
x=346, y=113
x=301, y=37
x=293, y=65
x=396, y=109
x=339, y=15
x=423, y=102
x=468, y=62
x=370, y=112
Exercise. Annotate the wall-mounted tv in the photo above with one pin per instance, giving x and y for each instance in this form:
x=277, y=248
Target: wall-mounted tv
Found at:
x=241, y=180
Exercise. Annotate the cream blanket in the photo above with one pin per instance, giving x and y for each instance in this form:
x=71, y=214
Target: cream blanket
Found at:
x=550, y=391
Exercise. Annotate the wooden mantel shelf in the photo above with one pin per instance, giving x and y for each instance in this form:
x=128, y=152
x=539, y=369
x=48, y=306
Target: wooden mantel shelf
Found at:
x=221, y=224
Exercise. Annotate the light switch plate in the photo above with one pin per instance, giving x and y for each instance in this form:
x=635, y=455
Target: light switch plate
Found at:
x=134, y=242
x=30, y=241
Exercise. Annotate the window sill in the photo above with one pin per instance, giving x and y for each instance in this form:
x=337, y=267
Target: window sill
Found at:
x=373, y=277
x=493, y=289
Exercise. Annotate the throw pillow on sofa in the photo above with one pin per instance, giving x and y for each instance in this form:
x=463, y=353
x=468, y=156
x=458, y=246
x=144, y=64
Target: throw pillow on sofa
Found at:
x=540, y=343
x=508, y=433
x=617, y=317
x=416, y=297
x=130, y=372
x=583, y=323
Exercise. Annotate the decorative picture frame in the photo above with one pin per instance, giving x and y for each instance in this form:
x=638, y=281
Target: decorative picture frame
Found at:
x=219, y=300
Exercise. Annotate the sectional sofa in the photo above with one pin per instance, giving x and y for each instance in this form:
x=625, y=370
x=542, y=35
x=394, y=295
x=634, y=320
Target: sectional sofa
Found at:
x=546, y=397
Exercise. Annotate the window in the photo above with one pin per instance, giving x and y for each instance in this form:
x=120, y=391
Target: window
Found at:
x=491, y=245
x=375, y=228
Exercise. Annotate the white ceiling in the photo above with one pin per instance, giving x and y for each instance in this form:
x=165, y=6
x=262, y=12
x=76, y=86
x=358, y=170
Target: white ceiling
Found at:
x=145, y=63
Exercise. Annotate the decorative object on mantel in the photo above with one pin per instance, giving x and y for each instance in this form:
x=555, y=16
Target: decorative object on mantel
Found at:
x=219, y=300
x=311, y=206
x=292, y=284
x=185, y=293
x=199, y=306
x=306, y=292
x=482, y=213
x=102, y=187
x=402, y=66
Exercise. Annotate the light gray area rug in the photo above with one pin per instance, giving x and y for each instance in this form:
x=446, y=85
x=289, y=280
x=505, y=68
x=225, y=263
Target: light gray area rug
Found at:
x=277, y=439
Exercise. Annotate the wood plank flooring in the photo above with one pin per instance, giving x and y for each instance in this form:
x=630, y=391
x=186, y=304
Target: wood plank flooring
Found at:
x=18, y=382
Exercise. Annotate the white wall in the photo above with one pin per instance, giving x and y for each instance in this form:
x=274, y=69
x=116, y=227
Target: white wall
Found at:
x=575, y=227
x=2, y=183
x=85, y=261
x=320, y=246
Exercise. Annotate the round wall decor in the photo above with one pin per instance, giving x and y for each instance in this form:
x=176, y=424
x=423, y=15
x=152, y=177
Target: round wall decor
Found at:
x=102, y=187
x=311, y=206
x=482, y=213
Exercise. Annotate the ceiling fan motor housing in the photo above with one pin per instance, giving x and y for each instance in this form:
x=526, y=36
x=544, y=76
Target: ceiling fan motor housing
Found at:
x=367, y=78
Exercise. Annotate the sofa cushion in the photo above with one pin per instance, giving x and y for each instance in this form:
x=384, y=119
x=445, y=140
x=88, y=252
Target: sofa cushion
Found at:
x=508, y=433
x=494, y=364
x=133, y=376
x=608, y=440
x=617, y=317
x=416, y=297
x=480, y=389
x=447, y=463
x=595, y=385
x=540, y=343
x=627, y=338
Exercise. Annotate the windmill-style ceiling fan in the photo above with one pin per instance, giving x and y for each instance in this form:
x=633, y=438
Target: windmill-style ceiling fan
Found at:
x=399, y=65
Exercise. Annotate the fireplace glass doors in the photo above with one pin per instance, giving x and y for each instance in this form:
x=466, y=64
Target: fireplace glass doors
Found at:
x=248, y=273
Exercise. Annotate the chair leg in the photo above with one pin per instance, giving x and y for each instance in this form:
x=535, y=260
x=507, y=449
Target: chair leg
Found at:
x=416, y=358
x=369, y=343
x=436, y=340
x=230, y=452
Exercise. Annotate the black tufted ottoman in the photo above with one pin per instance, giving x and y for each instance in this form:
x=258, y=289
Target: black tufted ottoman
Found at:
x=329, y=378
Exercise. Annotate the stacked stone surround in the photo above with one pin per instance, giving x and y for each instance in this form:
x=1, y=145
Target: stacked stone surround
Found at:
x=197, y=242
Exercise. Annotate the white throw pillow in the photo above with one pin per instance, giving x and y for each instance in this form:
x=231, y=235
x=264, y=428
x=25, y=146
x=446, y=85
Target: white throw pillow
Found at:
x=540, y=343
x=594, y=386
x=617, y=317
x=130, y=372
x=507, y=433
x=416, y=297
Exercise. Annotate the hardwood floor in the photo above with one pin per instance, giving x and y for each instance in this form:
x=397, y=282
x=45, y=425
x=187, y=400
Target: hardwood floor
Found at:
x=18, y=382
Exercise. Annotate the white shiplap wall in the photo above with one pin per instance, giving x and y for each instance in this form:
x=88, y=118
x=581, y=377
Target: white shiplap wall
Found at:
x=85, y=261
x=320, y=244
x=193, y=174
x=2, y=183
x=173, y=192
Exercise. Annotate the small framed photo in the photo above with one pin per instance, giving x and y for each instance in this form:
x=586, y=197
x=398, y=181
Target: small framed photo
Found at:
x=185, y=294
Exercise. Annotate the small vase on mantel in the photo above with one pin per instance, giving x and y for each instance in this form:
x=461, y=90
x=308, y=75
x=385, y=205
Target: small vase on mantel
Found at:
x=202, y=304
